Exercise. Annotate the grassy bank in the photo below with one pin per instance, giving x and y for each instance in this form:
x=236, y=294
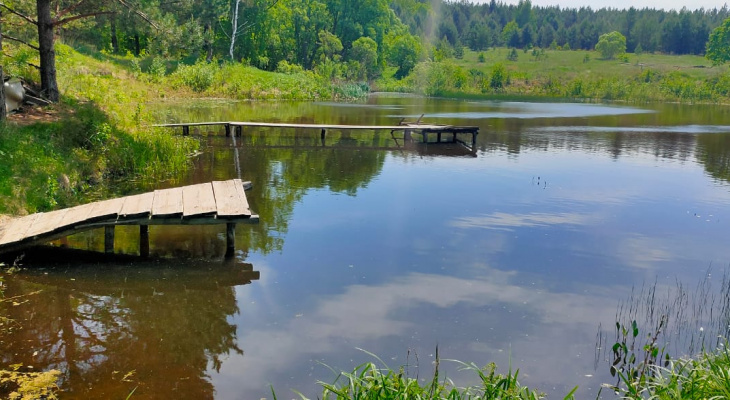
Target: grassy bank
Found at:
x=569, y=74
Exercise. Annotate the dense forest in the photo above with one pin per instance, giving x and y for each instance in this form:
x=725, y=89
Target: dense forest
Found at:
x=361, y=36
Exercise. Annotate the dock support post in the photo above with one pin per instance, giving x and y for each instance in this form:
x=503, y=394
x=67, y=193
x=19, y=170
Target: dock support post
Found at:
x=323, y=133
x=474, y=141
x=144, y=241
x=438, y=136
x=239, y=131
x=109, y=239
x=230, y=240
x=453, y=139
x=186, y=130
x=407, y=135
x=425, y=136
x=228, y=130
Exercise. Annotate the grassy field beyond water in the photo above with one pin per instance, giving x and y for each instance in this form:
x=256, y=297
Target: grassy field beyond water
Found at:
x=569, y=74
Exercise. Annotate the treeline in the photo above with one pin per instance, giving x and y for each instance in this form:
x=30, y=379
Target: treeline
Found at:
x=480, y=26
x=352, y=38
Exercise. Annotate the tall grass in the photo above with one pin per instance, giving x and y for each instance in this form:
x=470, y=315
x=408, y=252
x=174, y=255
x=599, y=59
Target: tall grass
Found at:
x=371, y=381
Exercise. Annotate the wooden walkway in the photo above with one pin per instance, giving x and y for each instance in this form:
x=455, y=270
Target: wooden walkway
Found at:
x=219, y=202
x=408, y=129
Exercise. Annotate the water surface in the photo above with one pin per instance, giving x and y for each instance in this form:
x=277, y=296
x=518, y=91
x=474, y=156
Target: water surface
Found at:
x=513, y=254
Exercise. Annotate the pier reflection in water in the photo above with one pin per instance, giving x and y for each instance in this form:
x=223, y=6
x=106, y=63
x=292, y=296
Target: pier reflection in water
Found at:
x=113, y=325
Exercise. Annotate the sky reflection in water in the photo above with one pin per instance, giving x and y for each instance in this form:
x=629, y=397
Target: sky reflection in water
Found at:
x=516, y=255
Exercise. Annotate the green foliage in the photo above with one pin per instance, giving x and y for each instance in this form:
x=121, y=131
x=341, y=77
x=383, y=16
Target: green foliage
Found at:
x=611, y=45
x=365, y=52
x=512, y=55
x=198, y=77
x=718, y=47
x=482, y=58
x=369, y=381
x=157, y=69
x=283, y=67
x=499, y=77
x=403, y=51
x=330, y=47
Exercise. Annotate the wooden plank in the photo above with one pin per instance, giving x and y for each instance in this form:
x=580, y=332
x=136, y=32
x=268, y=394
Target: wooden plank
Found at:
x=198, y=200
x=241, y=193
x=137, y=206
x=76, y=215
x=167, y=203
x=16, y=229
x=228, y=200
x=46, y=223
x=107, y=209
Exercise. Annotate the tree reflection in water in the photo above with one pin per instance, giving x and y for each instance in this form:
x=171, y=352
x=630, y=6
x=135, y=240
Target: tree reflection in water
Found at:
x=156, y=326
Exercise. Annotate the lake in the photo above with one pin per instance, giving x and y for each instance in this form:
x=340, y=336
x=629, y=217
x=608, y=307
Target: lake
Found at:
x=517, y=253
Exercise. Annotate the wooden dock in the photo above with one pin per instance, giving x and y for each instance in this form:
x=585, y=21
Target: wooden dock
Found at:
x=408, y=128
x=213, y=203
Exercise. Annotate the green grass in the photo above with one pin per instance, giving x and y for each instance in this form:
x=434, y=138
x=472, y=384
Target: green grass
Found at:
x=100, y=135
x=570, y=74
x=369, y=381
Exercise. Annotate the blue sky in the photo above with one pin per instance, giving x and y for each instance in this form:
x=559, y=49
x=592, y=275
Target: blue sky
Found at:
x=595, y=4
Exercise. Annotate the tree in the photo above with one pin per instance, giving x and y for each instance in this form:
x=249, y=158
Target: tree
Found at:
x=48, y=23
x=403, y=52
x=365, y=51
x=611, y=44
x=718, y=47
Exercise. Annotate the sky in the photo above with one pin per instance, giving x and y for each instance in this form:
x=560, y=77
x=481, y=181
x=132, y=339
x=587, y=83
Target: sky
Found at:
x=596, y=4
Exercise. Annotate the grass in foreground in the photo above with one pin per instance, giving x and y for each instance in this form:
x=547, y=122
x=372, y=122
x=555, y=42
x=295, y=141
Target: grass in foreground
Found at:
x=368, y=381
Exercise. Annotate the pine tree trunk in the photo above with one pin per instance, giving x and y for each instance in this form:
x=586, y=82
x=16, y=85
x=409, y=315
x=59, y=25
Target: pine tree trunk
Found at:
x=49, y=85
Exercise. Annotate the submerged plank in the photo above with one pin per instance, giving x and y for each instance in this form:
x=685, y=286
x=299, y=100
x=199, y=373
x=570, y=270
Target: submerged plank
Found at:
x=137, y=206
x=198, y=200
x=228, y=200
x=16, y=229
x=167, y=203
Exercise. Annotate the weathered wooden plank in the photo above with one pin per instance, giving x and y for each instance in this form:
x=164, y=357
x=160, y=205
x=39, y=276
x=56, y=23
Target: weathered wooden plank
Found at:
x=241, y=193
x=167, y=203
x=76, y=215
x=198, y=200
x=46, y=223
x=137, y=206
x=16, y=229
x=107, y=209
x=228, y=200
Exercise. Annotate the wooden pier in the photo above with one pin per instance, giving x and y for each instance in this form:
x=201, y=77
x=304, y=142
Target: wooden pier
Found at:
x=213, y=203
x=427, y=131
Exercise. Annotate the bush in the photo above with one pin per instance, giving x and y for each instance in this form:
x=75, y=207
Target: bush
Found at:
x=198, y=77
x=499, y=76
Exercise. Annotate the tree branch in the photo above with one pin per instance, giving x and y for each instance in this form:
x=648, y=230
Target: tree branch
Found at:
x=25, y=17
x=69, y=9
x=80, y=16
x=21, y=41
x=139, y=13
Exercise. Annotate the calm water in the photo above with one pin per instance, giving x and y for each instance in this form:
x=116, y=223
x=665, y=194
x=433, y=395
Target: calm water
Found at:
x=514, y=254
